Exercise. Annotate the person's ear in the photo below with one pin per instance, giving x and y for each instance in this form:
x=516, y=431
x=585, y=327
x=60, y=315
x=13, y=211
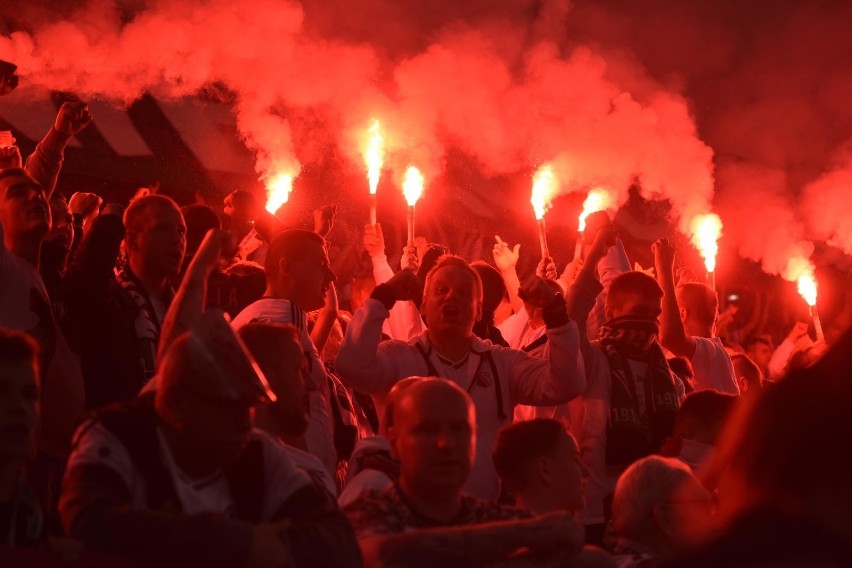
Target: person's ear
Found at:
x=544, y=470
x=743, y=384
x=284, y=267
x=662, y=518
x=683, y=314
x=477, y=311
x=391, y=435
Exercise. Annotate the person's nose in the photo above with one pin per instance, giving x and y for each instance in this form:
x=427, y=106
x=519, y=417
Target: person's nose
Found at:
x=445, y=440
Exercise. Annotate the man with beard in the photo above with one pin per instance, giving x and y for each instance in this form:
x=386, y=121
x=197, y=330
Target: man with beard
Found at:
x=276, y=349
x=496, y=378
x=118, y=317
x=631, y=397
x=179, y=477
x=298, y=277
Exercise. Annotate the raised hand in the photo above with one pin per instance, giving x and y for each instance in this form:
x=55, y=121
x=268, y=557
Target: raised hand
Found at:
x=374, y=240
x=73, y=117
x=405, y=284
x=504, y=257
x=410, y=259
x=537, y=292
x=10, y=157
x=546, y=269
x=324, y=219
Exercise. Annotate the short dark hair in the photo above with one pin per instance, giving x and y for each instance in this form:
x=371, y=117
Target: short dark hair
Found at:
x=752, y=341
x=519, y=444
x=17, y=346
x=263, y=340
x=290, y=244
x=706, y=409
x=745, y=367
x=699, y=299
x=133, y=213
x=493, y=287
x=633, y=282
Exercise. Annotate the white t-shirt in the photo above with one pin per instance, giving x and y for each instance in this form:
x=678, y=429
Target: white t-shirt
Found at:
x=320, y=434
x=712, y=367
x=98, y=446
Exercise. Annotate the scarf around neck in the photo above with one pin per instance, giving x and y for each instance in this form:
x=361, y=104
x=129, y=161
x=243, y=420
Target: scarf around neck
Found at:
x=635, y=430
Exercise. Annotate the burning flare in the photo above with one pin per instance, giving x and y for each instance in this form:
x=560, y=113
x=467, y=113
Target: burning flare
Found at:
x=278, y=188
x=543, y=190
x=374, y=156
x=597, y=200
x=412, y=185
x=801, y=271
x=706, y=230
x=808, y=288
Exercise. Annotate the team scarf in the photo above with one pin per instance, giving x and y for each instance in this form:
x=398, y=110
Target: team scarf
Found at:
x=145, y=324
x=631, y=432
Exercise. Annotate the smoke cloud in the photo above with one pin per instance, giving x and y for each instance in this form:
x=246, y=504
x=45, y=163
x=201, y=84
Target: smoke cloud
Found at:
x=657, y=92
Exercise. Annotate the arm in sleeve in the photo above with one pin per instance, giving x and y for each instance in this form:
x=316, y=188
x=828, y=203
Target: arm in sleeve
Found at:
x=404, y=321
x=612, y=265
x=45, y=162
x=780, y=357
x=363, y=362
x=382, y=272
x=555, y=380
x=96, y=507
x=318, y=532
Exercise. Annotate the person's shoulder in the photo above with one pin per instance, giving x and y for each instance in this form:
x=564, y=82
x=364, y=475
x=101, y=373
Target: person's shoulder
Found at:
x=312, y=466
x=273, y=310
x=375, y=512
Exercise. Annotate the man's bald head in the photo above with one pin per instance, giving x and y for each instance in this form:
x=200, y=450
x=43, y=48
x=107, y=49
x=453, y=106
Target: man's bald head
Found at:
x=698, y=302
x=433, y=435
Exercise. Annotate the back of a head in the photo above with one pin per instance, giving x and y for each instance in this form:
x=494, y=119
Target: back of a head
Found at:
x=134, y=215
x=18, y=347
x=493, y=287
x=646, y=483
x=700, y=301
x=289, y=245
x=199, y=219
x=702, y=415
x=633, y=283
x=265, y=342
x=433, y=252
x=793, y=454
x=748, y=369
x=519, y=445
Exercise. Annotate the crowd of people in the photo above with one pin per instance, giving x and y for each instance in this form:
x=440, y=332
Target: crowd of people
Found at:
x=181, y=386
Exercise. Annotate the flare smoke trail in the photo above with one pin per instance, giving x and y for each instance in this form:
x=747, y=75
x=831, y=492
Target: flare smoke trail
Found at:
x=496, y=83
x=607, y=93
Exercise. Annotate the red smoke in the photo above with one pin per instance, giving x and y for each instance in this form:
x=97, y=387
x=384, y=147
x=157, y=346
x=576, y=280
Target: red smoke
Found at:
x=609, y=93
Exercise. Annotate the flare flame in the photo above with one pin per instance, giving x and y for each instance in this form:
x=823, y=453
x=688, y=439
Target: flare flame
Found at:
x=706, y=230
x=374, y=156
x=598, y=199
x=543, y=190
x=278, y=188
x=412, y=185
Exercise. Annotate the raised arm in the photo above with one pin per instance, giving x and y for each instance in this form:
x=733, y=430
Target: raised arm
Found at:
x=374, y=244
x=672, y=333
x=506, y=259
x=189, y=301
x=363, y=363
x=477, y=545
x=325, y=320
x=561, y=377
x=45, y=162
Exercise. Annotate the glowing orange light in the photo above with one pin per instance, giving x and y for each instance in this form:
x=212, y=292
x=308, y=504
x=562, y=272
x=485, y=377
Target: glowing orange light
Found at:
x=597, y=200
x=543, y=190
x=374, y=156
x=278, y=188
x=412, y=185
x=706, y=230
x=801, y=271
